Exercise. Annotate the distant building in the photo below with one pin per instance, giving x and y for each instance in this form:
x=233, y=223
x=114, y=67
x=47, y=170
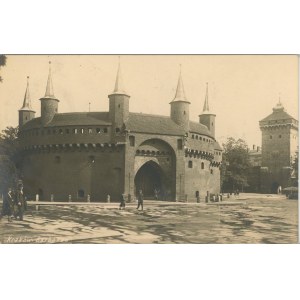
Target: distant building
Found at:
x=279, y=147
x=96, y=154
x=253, y=177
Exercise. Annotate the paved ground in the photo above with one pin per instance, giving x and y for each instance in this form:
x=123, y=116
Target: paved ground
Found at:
x=256, y=219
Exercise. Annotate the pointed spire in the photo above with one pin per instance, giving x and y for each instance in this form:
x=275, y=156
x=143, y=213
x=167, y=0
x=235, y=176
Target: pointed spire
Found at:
x=49, y=89
x=27, y=100
x=119, y=86
x=180, y=94
x=206, y=106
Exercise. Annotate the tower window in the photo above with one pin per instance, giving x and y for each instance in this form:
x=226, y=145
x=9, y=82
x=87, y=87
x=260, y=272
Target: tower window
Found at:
x=92, y=159
x=60, y=131
x=132, y=141
x=179, y=144
x=280, y=136
x=117, y=129
x=200, y=138
x=25, y=118
x=98, y=130
x=67, y=130
x=184, y=112
x=193, y=136
x=270, y=137
x=197, y=137
x=211, y=171
x=212, y=123
x=190, y=164
x=202, y=165
x=81, y=130
x=90, y=130
x=75, y=130
x=119, y=105
x=105, y=130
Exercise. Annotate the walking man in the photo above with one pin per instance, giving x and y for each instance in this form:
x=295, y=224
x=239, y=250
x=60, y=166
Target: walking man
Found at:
x=122, y=201
x=20, y=202
x=140, y=199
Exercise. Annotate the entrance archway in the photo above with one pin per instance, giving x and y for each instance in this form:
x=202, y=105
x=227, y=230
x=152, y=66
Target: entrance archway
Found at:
x=148, y=179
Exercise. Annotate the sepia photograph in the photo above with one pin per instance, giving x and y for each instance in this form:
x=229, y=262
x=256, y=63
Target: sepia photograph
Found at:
x=149, y=149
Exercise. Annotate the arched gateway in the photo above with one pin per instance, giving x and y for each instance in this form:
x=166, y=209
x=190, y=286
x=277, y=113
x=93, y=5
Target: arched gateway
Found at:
x=154, y=166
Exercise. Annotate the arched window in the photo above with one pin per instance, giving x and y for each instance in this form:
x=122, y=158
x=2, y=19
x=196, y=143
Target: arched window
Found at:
x=193, y=136
x=211, y=171
x=60, y=131
x=202, y=165
x=117, y=130
x=81, y=130
x=105, y=130
x=98, y=130
x=190, y=164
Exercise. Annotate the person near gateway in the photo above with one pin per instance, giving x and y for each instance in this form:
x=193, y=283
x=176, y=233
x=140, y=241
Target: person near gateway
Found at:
x=20, y=202
x=140, y=200
x=8, y=205
x=122, y=201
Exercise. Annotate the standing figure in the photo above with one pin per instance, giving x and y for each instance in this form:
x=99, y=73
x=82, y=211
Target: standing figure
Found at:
x=20, y=202
x=8, y=204
x=198, y=196
x=140, y=199
x=122, y=201
x=155, y=194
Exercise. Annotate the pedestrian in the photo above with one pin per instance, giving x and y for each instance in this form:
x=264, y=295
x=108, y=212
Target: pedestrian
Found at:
x=155, y=194
x=8, y=204
x=20, y=202
x=140, y=200
x=108, y=198
x=122, y=201
x=198, y=196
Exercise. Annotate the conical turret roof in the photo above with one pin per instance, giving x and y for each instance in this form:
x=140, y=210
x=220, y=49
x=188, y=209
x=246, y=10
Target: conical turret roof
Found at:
x=119, y=84
x=49, y=88
x=27, y=99
x=206, y=110
x=180, y=94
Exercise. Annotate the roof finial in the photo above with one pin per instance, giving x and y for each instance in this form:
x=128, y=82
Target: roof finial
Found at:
x=279, y=98
x=27, y=99
x=180, y=94
x=206, y=106
x=119, y=87
x=49, y=89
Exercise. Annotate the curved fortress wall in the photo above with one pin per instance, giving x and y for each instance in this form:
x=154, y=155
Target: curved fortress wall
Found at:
x=95, y=154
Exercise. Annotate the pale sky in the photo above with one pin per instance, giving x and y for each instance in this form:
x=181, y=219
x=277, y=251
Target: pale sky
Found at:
x=243, y=89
